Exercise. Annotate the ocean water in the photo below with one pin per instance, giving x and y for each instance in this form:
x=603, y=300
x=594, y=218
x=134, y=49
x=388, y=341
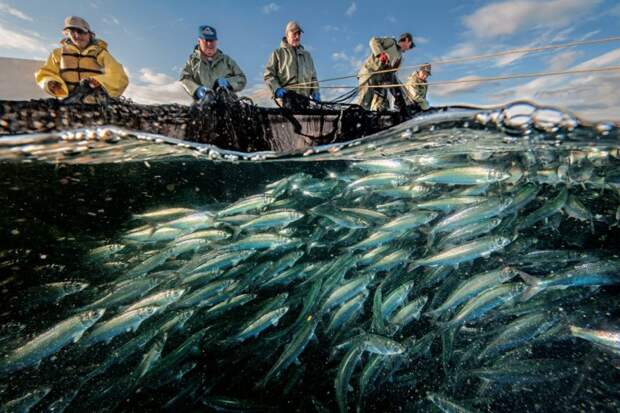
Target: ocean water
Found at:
x=101, y=219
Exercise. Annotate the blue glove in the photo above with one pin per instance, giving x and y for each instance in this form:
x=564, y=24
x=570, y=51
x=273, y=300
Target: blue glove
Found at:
x=316, y=96
x=223, y=83
x=280, y=92
x=200, y=93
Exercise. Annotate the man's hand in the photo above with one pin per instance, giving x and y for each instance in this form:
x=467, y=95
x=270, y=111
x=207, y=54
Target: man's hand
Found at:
x=93, y=83
x=223, y=83
x=280, y=92
x=384, y=58
x=54, y=87
x=200, y=93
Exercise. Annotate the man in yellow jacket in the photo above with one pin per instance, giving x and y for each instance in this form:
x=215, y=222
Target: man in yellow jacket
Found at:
x=81, y=58
x=380, y=69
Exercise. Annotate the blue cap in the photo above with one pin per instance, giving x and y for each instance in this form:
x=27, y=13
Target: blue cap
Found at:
x=207, y=33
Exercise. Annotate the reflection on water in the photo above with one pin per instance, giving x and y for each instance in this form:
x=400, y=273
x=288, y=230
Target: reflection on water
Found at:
x=465, y=261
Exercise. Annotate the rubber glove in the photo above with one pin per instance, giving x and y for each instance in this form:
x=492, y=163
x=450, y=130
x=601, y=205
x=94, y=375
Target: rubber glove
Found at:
x=383, y=57
x=316, y=96
x=223, y=83
x=280, y=92
x=200, y=93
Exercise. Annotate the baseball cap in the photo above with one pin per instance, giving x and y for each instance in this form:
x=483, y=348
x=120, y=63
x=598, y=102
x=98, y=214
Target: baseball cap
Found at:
x=74, y=22
x=293, y=26
x=207, y=33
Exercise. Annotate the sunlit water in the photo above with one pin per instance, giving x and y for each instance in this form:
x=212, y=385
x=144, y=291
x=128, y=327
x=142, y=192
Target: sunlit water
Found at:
x=64, y=195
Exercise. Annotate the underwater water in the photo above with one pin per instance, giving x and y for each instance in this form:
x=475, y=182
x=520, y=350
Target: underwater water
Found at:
x=462, y=261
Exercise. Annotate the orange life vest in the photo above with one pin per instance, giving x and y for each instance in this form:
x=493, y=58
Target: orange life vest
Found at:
x=76, y=65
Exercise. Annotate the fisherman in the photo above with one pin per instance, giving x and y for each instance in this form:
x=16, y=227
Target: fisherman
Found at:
x=208, y=69
x=83, y=60
x=290, y=70
x=380, y=69
x=416, y=87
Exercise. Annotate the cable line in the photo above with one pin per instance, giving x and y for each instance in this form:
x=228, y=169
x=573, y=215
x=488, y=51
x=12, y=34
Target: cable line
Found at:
x=477, y=80
x=475, y=58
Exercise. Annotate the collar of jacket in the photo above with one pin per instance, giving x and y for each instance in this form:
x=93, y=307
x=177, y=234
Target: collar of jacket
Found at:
x=216, y=57
x=93, y=43
x=285, y=44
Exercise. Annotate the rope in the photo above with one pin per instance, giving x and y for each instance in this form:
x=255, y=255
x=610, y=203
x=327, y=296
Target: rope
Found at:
x=474, y=58
x=480, y=79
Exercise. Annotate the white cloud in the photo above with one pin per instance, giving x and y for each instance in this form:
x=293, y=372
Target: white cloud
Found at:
x=351, y=62
x=483, y=47
x=469, y=85
x=5, y=8
x=616, y=10
x=335, y=29
x=587, y=94
x=111, y=21
x=510, y=17
x=271, y=8
x=391, y=19
x=151, y=87
x=339, y=56
x=151, y=77
x=461, y=50
x=331, y=94
x=420, y=39
x=563, y=60
x=359, y=48
x=259, y=93
x=351, y=10
x=11, y=39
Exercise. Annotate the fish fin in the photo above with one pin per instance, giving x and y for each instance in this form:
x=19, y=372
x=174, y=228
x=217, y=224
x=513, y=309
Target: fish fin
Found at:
x=442, y=326
x=533, y=286
x=78, y=337
x=426, y=230
x=434, y=314
x=414, y=265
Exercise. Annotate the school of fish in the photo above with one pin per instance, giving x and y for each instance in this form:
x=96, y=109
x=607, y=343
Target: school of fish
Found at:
x=451, y=283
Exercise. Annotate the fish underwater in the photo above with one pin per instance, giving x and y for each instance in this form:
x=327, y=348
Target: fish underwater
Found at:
x=462, y=261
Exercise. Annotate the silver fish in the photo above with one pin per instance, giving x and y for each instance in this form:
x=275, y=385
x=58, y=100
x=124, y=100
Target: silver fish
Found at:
x=122, y=323
x=50, y=342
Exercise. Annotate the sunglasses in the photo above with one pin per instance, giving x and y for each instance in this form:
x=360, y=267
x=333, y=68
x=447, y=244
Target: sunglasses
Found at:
x=75, y=30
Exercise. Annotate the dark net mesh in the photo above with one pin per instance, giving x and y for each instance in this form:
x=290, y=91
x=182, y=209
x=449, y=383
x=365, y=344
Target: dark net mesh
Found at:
x=227, y=122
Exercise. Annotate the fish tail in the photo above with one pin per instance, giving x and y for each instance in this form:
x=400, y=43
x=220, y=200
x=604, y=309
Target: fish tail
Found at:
x=434, y=314
x=443, y=326
x=236, y=232
x=533, y=288
x=412, y=266
x=575, y=331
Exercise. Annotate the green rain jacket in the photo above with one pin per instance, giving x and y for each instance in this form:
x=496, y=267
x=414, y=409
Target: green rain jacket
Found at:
x=378, y=45
x=199, y=71
x=415, y=91
x=289, y=65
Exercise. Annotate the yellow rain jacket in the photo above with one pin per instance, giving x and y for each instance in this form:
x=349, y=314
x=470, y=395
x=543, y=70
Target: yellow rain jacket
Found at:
x=68, y=65
x=289, y=66
x=415, y=91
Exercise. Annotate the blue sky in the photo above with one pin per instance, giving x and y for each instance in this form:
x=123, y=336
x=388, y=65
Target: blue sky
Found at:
x=153, y=39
